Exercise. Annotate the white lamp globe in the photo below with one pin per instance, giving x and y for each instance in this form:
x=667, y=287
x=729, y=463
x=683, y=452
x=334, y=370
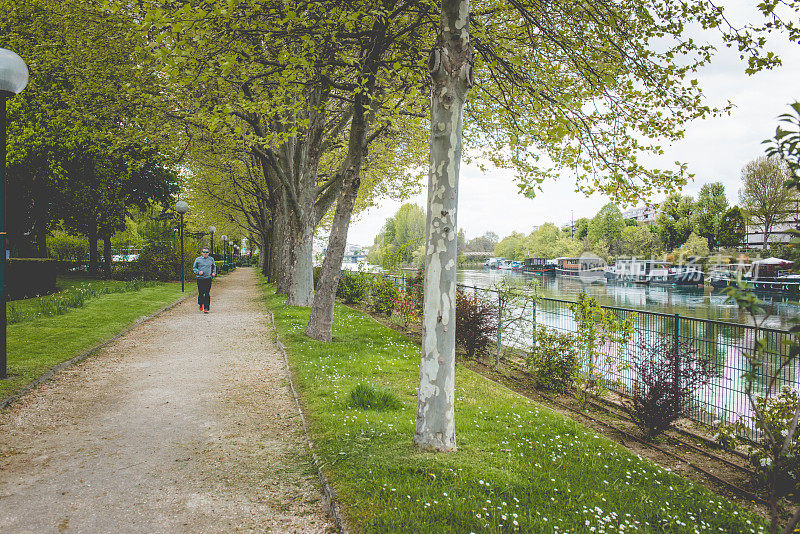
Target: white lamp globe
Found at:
x=212, y=229
x=181, y=206
x=13, y=72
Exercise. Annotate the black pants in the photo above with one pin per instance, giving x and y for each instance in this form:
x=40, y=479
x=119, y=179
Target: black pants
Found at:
x=204, y=292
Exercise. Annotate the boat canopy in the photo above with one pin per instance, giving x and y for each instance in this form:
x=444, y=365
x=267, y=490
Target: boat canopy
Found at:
x=772, y=261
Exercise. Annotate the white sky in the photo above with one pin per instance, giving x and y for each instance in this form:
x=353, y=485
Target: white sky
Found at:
x=715, y=151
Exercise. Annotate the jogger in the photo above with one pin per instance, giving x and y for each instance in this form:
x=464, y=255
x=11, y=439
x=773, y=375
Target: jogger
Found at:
x=205, y=269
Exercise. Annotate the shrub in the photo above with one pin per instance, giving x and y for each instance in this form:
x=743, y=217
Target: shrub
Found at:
x=783, y=476
x=725, y=434
x=383, y=294
x=476, y=324
x=596, y=328
x=553, y=361
x=353, y=287
x=64, y=247
x=667, y=377
x=416, y=287
x=28, y=277
x=368, y=397
x=405, y=308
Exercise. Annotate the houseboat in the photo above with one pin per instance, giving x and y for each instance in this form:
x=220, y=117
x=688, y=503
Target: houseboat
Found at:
x=585, y=268
x=638, y=271
x=773, y=274
x=725, y=275
x=538, y=265
x=686, y=275
x=494, y=263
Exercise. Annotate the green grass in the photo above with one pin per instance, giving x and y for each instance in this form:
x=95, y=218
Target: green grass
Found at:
x=39, y=343
x=73, y=292
x=519, y=466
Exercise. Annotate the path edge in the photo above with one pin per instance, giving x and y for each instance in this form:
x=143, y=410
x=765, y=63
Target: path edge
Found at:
x=331, y=501
x=77, y=359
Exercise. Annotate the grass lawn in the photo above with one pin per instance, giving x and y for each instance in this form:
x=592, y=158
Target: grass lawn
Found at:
x=519, y=466
x=38, y=343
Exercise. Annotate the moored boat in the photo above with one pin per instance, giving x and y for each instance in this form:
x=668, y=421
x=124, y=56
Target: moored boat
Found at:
x=638, y=271
x=538, y=265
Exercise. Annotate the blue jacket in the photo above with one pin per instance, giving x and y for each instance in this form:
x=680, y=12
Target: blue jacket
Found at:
x=206, y=265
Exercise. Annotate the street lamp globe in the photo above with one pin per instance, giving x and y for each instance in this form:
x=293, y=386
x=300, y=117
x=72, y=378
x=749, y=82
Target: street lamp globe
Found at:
x=181, y=207
x=212, y=229
x=13, y=72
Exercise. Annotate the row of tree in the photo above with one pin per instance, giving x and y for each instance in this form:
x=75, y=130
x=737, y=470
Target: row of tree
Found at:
x=684, y=225
x=82, y=152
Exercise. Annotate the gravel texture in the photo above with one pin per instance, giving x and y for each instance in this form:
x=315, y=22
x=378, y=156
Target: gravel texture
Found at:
x=185, y=424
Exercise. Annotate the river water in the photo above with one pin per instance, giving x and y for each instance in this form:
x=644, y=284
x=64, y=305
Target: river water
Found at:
x=700, y=302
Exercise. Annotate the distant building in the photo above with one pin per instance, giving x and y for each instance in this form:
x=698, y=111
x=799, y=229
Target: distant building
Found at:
x=642, y=214
x=354, y=254
x=779, y=233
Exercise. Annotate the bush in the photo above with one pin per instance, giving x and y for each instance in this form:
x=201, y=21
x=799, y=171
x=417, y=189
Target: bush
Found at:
x=416, y=288
x=405, y=308
x=476, y=324
x=783, y=477
x=28, y=277
x=353, y=287
x=65, y=247
x=370, y=398
x=161, y=262
x=553, y=361
x=668, y=376
x=383, y=295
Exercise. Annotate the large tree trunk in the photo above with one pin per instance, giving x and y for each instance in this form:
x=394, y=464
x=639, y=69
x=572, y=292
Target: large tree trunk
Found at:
x=281, y=248
x=107, y=255
x=301, y=287
x=450, y=67
x=93, y=260
x=320, y=323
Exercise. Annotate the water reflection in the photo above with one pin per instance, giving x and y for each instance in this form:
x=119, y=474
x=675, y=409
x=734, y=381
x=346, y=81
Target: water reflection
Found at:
x=701, y=302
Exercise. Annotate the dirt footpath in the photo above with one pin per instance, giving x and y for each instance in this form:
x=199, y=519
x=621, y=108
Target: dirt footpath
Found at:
x=185, y=424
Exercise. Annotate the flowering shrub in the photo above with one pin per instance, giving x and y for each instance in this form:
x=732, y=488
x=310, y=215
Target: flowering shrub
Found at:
x=383, y=294
x=476, y=324
x=784, y=474
x=667, y=377
x=725, y=434
x=553, y=360
x=405, y=308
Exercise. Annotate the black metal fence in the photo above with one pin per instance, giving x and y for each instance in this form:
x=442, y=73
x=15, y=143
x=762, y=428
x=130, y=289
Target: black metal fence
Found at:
x=725, y=343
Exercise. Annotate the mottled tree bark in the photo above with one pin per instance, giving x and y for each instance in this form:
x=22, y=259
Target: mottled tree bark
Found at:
x=450, y=67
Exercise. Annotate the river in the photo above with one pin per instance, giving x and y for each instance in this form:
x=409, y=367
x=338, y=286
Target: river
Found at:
x=700, y=302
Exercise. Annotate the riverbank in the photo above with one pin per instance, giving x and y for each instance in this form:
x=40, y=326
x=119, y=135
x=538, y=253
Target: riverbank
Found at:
x=519, y=466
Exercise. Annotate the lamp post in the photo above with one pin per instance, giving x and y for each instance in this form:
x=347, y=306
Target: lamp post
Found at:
x=225, y=249
x=182, y=207
x=13, y=79
x=211, y=230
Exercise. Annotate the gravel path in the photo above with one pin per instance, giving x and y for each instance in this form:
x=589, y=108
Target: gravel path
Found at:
x=185, y=424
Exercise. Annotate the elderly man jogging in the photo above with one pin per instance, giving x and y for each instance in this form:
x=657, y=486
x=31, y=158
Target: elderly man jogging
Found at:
x=205, y=269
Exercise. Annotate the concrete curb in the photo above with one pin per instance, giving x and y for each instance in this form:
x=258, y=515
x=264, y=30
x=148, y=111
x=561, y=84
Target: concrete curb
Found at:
x=76, y=359
x=332, y=503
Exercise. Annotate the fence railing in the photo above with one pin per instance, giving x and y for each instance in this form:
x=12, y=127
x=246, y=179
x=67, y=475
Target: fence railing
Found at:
x=725, y=343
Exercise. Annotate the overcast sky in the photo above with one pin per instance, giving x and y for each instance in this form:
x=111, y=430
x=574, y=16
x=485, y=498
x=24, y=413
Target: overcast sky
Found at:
x=715, y=151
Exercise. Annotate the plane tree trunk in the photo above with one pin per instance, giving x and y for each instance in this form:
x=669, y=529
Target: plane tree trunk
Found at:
x=450, y=67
